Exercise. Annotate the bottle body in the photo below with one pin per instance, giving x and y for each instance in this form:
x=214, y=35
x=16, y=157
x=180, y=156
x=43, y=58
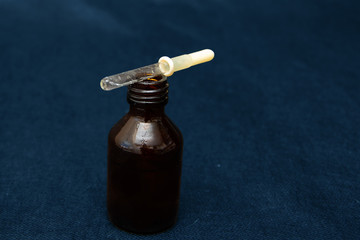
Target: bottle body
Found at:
x=144, y=169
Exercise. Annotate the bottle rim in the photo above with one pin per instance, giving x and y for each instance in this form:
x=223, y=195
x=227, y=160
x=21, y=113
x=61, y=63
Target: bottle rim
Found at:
x=149, y=91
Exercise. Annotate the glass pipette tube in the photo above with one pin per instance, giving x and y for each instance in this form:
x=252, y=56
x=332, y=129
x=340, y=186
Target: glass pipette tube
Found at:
x=130, y=77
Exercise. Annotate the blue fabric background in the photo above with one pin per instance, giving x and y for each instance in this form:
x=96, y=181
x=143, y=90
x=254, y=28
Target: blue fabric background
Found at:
x=271, y=126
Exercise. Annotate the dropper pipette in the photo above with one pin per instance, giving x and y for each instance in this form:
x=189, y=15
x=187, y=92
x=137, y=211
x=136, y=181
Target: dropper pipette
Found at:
x=165, y=66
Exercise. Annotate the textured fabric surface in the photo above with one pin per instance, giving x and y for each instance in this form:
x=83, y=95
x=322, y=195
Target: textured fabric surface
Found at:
x=271, y=127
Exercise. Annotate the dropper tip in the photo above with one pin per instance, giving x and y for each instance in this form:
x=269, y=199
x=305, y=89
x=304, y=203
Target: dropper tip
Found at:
x=104, y=84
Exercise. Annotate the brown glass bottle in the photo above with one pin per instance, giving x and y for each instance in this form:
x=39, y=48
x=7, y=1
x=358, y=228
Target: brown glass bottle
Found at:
x=144, y=162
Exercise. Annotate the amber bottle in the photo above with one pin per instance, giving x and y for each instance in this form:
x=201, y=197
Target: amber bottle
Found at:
x=144, y=162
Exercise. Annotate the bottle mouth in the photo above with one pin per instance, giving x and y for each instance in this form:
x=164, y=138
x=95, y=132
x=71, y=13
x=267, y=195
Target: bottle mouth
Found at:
x=151, y=91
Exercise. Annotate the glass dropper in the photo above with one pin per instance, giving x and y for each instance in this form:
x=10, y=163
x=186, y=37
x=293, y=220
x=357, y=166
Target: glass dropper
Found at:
x=165, y=66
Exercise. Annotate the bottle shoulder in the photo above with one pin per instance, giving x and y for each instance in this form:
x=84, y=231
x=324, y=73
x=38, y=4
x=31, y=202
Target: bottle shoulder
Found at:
x=136, y=134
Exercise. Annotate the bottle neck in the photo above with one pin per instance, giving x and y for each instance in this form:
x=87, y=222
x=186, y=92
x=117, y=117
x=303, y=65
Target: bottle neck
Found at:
x=148, y=98
x=145, y=111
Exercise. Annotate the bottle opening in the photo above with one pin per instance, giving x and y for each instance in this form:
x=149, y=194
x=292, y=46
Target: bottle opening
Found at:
x=151, y=91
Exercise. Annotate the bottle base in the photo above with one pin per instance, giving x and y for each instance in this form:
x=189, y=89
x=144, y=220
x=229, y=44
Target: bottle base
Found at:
x=143, y=230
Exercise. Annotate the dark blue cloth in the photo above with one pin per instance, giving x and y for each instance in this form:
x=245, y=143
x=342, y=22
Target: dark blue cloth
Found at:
x=271, y=126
